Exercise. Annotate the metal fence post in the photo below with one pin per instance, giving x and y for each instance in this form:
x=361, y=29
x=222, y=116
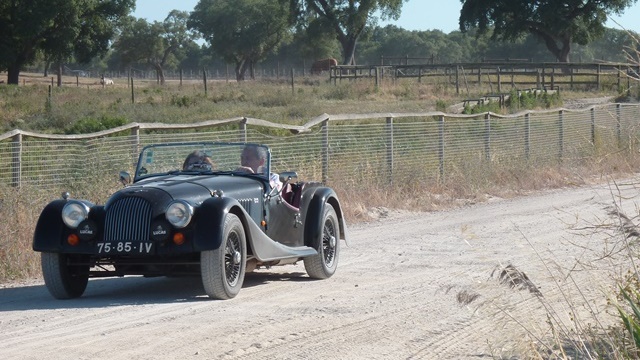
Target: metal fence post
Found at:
x=389, y=132
x=618, y=125
x=325, y=151
x=441, y=146
x=593, y=126
x=16, y=160
x=527, y=135
x=487, y=137
x=561, y=134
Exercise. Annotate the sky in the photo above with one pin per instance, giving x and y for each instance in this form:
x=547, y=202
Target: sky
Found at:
x=416, y=14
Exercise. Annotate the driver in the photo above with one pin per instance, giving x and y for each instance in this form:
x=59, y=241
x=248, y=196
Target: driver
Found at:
x=253, y=160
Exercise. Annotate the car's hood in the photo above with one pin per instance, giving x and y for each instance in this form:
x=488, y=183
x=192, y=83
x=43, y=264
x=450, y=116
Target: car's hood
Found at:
x=196, y=188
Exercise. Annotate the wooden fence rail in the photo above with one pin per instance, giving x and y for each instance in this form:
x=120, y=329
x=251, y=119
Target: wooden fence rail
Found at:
x=516, y=75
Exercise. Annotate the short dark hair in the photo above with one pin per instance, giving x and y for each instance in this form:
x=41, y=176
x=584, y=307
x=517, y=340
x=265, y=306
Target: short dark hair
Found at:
x=197, y=157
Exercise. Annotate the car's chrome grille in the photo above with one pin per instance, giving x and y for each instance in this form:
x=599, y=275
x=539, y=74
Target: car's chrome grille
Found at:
x=128, y=219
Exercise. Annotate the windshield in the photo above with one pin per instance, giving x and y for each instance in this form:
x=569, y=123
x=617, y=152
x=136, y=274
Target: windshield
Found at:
x=197, y=158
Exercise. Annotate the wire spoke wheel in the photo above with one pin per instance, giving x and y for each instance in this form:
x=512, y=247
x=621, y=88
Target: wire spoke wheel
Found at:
x=329, y=242
x=223, y=269
x=324, y=264
x=232, y=259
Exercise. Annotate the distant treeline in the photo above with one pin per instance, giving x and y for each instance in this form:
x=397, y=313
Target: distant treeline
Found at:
x=393, y=44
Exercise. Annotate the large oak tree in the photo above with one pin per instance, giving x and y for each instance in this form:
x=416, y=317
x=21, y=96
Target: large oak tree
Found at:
x=242, y=32
x=346, y=19
x=558, y=23
x=59, y=28
x=154, y=43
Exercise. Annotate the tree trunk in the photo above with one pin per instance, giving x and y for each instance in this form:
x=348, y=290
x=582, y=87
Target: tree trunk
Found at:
x=241, y=69
x=561, y=53
x=13, y=73
x=59, y=73
x=564, y=52
x=160, y=75
x=348, y=50
x=47, y=63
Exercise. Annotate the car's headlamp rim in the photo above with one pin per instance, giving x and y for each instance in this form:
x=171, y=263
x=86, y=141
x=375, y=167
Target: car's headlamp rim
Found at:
x=179, y=213
x=74, y=212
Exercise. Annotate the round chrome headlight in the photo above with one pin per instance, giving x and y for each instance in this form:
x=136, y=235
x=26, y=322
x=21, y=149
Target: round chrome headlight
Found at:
x=179, y=213
x=74, y=212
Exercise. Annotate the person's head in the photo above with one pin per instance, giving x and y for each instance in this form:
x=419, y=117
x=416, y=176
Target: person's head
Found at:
x=254, y=157
x=197, y=160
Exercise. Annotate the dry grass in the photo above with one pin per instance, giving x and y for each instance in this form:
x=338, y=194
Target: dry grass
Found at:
x=19, y=211
x=25, y=107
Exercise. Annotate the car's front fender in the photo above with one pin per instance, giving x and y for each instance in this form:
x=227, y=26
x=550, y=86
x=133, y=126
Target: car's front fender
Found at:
x=51, y=231
x=49, y=228
x=210, y=221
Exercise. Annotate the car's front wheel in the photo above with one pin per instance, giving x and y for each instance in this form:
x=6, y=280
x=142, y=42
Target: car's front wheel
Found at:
x=324, y=264
x=63, y=280
x=223, y=269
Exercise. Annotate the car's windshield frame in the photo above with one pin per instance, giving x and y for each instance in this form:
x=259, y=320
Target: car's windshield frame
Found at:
x=225, y=158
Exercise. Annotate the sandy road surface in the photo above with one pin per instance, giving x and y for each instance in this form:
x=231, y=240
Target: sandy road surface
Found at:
x=410, y=286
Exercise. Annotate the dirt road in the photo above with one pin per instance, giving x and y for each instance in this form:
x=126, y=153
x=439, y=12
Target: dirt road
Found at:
x=410, y=286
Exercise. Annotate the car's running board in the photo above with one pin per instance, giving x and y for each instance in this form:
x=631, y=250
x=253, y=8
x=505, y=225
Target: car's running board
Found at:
x=266, y=249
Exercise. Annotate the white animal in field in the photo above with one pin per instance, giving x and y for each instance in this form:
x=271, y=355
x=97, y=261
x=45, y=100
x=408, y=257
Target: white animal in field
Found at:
x=105, y=81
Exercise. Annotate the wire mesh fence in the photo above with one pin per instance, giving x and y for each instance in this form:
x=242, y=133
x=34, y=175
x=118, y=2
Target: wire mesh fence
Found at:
x=366, y=149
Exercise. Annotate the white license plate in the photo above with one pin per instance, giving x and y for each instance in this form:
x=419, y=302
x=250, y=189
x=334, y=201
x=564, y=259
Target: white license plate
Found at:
x=124, y=247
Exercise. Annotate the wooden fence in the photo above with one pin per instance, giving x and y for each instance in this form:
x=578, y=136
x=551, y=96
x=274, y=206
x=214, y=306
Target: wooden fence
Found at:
x=499, y=74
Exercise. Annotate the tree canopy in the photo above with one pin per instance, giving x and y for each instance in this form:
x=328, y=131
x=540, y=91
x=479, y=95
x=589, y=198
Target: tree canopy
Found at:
x=558, y=23
x=154, y=43
x=346, y=19
x=243, y=32
x=60, y=28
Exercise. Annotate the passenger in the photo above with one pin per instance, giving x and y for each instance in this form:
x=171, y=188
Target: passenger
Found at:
x=253, y=160
x=197, y=160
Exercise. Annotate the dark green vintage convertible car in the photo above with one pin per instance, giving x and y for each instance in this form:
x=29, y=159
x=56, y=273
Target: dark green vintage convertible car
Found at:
x=218, y=214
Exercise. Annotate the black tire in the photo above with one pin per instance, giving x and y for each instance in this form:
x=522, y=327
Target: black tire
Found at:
x=223, y=269
x=62, y=280
x=324, y=264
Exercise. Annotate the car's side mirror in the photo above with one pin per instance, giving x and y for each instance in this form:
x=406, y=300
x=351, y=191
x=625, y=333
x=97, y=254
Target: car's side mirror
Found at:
x=125, y=178
x=288, y=176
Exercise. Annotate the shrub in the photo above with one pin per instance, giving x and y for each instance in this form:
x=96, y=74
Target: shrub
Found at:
x=90, y=125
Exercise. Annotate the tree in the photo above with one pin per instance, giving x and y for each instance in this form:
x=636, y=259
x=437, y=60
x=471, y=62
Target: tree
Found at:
x=59, y=28
x=558, y=23
x=346, y=19
x=242, y=32
x=155, y=43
